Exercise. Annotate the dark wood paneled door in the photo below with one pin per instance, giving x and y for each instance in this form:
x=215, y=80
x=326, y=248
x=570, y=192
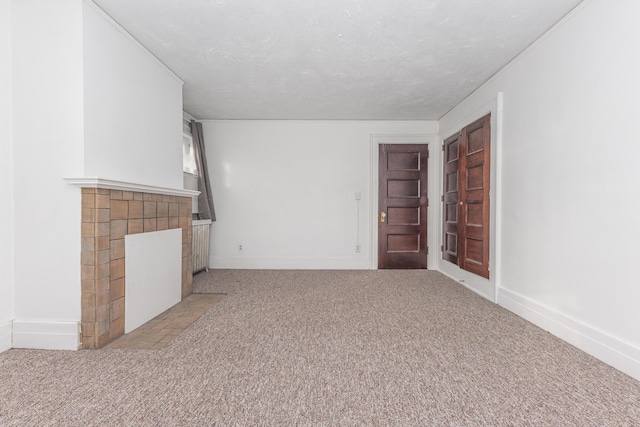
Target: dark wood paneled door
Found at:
x=402, y=206
x=450, y=239
x=466, y=197
x=476, y=141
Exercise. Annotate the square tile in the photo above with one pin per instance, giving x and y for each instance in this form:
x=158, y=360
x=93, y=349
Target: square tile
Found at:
x=88, y=243
x=119, y=209
x=162, y=209
x=87, y=272
x=88, y=215
x=103, y=256
x=116, y=289
x=117, y=269
x=174, y=222
x=163, y=223
x=103, y=201
x=102, y=229
x=118, y=229
x=150, y=209
x=88, y=229
x=136, y=226
x=135, y=209
x=102, y=271
x=117, y=249
x=89, y=201
x=150, y=224
x=103, y=215
x=102, y=243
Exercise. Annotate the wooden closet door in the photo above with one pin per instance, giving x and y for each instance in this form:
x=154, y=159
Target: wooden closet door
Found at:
x=474, y=195
x=451, y=194
x=466, y=197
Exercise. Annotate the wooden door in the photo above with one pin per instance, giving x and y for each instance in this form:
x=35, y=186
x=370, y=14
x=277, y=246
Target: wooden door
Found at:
x=450, y=240
x=402, y=206
x=466, y=197
x=474, y=177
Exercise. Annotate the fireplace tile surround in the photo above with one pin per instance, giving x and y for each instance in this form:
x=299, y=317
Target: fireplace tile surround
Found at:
x=107, y=216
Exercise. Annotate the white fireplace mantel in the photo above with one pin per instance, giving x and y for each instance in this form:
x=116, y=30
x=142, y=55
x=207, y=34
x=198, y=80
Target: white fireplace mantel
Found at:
x=109, y=184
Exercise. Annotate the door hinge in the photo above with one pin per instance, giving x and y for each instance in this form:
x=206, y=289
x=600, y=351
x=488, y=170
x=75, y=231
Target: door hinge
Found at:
x=427, y=250
x=442, y=198
x=441, y=248
x=427, y=202
x=442, y=147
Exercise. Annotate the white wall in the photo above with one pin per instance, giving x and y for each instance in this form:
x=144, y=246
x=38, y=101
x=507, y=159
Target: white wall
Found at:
x=47, y=146
x=569, y=181
x=86, y=100
x=133, y=108
x=6, y=205
x=285, y=191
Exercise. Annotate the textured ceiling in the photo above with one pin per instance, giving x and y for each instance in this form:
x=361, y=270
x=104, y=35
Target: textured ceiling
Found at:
x=333, y=59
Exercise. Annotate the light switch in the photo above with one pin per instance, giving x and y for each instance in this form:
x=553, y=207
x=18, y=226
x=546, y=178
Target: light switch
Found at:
x=358, y=195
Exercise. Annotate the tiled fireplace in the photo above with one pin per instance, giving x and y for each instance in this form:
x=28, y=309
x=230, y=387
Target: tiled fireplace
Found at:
x=107, y=216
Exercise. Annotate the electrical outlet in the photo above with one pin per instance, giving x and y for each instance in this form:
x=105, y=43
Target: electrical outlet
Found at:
x=240, y=248
x=358, y=195
x=357, y=248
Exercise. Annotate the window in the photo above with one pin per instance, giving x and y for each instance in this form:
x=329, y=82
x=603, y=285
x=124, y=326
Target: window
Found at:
x=188, y=153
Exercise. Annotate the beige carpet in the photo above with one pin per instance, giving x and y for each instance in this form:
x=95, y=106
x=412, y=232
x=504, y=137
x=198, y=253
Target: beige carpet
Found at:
x=327, y=348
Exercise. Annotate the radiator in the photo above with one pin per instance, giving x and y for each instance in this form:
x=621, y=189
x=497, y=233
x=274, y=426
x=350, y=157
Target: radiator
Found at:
x=200, y=241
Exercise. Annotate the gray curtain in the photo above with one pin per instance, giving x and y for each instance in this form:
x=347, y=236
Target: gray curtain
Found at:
x=205, y=200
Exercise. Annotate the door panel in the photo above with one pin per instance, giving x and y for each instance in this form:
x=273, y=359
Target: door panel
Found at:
x=403, y=243
x=404, y=188
x=403, y=161
x=402, y=232
x=403, y=216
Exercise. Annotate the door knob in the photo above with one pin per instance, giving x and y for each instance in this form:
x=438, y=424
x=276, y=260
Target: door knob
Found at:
x=382, y=216
x=461, y=203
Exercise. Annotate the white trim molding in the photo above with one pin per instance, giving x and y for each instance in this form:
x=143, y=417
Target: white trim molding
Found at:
x=302, y=263
x=109, y=184
x=6, y=336
x=473, y=282
x=46, y=335
x=599, y=344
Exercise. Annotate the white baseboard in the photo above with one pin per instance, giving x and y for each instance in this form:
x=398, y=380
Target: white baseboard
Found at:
x=46, y=336
x=6, y=336
x=610, y=350
x=477, y=284
x=289, y=263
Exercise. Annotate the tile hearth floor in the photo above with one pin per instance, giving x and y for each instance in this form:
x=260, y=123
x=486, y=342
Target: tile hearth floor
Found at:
x=161, y=330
